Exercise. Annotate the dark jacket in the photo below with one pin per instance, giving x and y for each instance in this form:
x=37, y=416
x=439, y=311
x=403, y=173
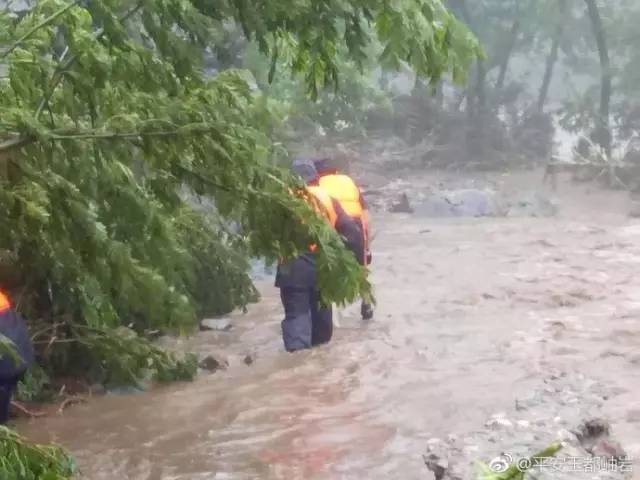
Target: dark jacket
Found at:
x=301, y=270
x=13, y=326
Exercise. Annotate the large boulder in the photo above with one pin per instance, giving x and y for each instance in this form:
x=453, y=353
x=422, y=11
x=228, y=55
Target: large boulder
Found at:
x=461, y=203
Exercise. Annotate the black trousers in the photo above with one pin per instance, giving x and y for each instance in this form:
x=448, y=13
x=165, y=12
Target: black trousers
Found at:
x=7, y=387
x=306, y=324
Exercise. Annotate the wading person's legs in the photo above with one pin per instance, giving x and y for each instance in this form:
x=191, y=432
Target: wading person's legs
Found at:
x=321, y=320
x=296, y=326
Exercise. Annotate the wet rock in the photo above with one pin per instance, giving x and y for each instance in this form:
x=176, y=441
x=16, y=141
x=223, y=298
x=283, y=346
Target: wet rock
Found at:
x=532, y=205
x=520, y=405
x=592, y=430
x=437, y=465
x=444, y=459
x=499, y=421
x=217, y=324
x=558, y=300
x=213, y=362
x=249, y=358
x=607, y=448
x=594, y=437
x=401, y=205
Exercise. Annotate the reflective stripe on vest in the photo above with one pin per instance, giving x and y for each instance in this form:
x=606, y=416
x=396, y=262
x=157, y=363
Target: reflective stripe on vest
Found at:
x=4, y=303
x=344, y=190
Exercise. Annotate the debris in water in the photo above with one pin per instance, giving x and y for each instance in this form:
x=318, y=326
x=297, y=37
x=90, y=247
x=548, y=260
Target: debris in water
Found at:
x=217, y=324
x=249, y=359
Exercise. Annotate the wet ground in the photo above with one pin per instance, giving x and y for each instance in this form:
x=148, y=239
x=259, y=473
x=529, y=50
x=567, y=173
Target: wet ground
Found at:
x=533, y=321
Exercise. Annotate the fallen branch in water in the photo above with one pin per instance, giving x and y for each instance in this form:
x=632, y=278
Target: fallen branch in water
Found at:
x=22, y=409
x=67, y=402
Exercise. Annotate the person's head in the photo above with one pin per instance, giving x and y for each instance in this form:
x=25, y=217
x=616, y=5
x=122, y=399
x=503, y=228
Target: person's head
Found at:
x=326, y=166
x=305, y=167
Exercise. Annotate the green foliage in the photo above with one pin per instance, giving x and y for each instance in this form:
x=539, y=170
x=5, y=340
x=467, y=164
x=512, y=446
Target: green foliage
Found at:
x=106, y=119
x=307, y=36
x=338, y=112
x=33, y=386
x=21, y=460
x=125, y=358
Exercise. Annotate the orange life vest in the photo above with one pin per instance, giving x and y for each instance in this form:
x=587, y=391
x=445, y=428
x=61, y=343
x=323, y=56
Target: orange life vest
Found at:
x=4, y=303
x=324, y=206
x=346, y=192
x=321, y=203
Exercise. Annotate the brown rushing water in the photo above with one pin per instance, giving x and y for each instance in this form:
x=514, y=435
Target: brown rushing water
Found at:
x=472, y=314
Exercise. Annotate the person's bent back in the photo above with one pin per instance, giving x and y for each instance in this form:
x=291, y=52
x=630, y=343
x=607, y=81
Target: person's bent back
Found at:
x=344, y=189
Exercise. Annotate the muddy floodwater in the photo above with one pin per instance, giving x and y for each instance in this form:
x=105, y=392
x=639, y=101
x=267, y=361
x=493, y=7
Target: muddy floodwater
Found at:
x=536, y=320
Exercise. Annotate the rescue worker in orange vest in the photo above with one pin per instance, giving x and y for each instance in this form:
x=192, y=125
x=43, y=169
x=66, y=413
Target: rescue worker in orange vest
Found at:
x=344, y=189
x=13, y=327
x=307, y=323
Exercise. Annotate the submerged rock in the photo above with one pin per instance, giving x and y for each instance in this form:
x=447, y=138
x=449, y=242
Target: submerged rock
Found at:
x=213, y=362
x=532, y=205
x=401, y=205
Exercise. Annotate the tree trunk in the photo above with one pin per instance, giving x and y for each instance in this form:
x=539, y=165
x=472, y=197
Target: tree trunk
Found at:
x=504, y=64
x=552, y=58
x=418, y=86
x=384, y=81
x=438, y=94
x=481, y=90
x=603, y=131
x=476, y=98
